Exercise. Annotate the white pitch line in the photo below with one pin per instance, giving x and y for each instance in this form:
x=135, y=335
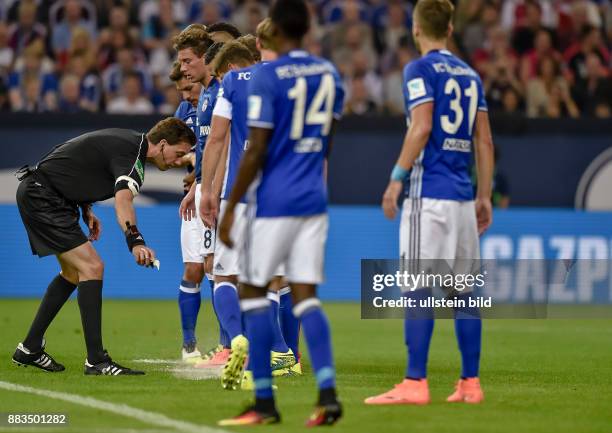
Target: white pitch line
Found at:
x=158, y=361
x=120, y=409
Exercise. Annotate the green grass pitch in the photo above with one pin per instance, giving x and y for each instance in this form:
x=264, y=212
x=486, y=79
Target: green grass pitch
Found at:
x=538, y=375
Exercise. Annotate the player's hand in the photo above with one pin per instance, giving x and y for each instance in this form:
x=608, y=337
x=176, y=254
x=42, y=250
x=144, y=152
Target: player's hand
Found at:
x=187, y=207
x=389, y=201
x=94, y=225
x=143, y=255
x=209, y=209
x=484, y=214
x=225, y=228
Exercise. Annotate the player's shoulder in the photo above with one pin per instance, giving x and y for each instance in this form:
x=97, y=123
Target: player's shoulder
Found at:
x=183, y=110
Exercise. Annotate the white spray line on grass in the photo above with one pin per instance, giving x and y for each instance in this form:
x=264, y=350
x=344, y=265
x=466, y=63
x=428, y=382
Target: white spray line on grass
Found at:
x=193, y=373
x=182, y=370
x=120, y=409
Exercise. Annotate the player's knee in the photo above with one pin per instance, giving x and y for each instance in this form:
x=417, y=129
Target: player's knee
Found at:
x=70, y=274
x=93, y=270
x=193, y=272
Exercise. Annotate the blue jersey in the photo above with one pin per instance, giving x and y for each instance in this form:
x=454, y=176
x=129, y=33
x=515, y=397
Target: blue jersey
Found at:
x=187, y=113
x=441, y=171
x=206, y=103
x=232, y=105
x=296, y=96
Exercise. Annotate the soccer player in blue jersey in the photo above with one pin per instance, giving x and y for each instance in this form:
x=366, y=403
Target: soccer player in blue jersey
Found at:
x=188, y=296
x=230, y=114
x=447, y=114
x=192, y=45
x=291, y=109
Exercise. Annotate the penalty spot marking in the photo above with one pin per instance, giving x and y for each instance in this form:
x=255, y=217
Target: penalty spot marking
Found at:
x=153, y=418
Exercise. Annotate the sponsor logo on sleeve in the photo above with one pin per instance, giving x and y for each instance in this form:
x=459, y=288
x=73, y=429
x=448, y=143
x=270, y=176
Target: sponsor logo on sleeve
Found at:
x=416, y=88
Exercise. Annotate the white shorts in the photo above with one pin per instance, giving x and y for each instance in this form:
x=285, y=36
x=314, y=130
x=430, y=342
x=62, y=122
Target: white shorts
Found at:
x=207, y=245
x=191, y=240
x=227, y=260
x=298, y=243
x=444, y=231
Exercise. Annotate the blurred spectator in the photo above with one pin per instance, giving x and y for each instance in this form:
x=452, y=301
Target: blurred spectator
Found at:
x=118, y=22
x=90, y=86
x=481, y=20
x=518, y=13
x=26, y=30
x=31, y=89
x=512, y=101
x=208, y=11
x=126, y=64
x=393, y=97
x=543, y=47
x=248, y=15
x=360, y=69
x=575, y=55
x=548, y=94
x=131, y=101
x=354, y=38
x=80, y=42
x=157, y=38
x=391, y=22
x=495, y=54
x=359, y=100
x=172, y=99
x=593, y=95
x=6, y=52
x=69, y=97
x=73, y=17
x=528, y=24
x=149, y=8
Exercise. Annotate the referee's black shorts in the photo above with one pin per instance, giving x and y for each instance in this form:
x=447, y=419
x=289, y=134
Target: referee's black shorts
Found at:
x=52, y=222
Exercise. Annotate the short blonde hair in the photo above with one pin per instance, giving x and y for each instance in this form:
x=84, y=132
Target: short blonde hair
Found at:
x=264, y=33
x=434, y=17
x=232, y=52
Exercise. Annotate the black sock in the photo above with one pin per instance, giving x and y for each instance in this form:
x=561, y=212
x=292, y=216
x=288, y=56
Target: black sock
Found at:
x=90, y=304
x=57, y=294
x=265, y=405
x=327, y=396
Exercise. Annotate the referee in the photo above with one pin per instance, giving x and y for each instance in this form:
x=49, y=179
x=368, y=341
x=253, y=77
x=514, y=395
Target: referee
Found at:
x=86, y=169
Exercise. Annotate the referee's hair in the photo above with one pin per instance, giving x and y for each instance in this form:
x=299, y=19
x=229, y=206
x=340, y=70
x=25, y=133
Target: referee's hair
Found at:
x=195, y=37
x=232, y=53
x=291, y=17
x=173, y=130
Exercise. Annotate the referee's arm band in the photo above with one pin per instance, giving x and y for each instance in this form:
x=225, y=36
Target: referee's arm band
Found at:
x=399, y=173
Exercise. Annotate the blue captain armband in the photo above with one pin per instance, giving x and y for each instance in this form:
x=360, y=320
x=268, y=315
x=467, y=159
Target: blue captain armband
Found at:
x=399, y=173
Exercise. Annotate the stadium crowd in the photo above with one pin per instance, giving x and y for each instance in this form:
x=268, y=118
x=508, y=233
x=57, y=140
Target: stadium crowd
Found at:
x=540, y=58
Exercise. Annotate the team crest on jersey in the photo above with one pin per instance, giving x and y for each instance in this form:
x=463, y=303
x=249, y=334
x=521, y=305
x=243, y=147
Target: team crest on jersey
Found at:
x=416, y=88
x=140, y=170
x=204, y=104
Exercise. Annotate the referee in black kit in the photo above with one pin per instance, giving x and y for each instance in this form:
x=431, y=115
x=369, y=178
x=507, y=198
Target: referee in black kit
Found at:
x=86, y=169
